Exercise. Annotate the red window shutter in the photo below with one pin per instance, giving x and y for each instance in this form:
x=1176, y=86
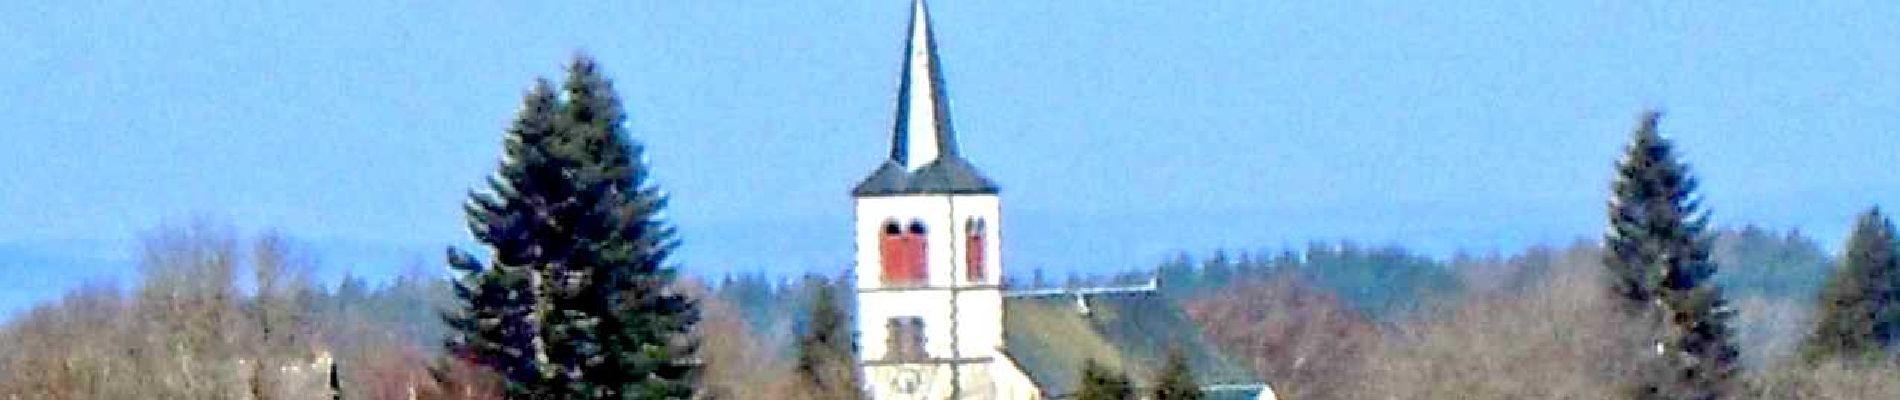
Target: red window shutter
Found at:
x=974, y=256
x=891, y=249
x=917, y=247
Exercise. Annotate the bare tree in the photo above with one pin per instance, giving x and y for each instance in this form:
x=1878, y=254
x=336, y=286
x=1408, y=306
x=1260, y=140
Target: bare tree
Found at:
x=281, y=355
x=1828, y=380
x=1301, y=338
x=1560, y=339
x=72, y=349
x=187, y=330
x=188, y=306
x=737, y=365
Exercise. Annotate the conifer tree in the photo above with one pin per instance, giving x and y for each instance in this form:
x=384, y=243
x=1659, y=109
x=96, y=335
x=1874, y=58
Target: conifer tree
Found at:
x=1101, y=383
x=1177, y=276
x=496, y=326
x=1860, y=307
x=1657, y=251
x=579, y=249
x=1217, y=271
x=1176, y=380
x=827, y=362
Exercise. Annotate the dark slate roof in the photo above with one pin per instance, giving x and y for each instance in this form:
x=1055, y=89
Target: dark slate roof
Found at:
x=1050, y=339
x=948, y=175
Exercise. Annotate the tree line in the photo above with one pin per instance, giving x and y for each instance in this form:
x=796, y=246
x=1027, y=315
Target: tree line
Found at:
x=218, y=315
x=1644, y=313
x=575, y=296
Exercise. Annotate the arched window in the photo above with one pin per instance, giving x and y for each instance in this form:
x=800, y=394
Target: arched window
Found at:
x=890, y=247
x=917, y=252
x=901, y=251
x=974, y=247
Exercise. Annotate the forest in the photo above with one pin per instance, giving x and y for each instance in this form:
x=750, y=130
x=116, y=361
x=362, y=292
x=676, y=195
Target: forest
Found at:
x=574, y=296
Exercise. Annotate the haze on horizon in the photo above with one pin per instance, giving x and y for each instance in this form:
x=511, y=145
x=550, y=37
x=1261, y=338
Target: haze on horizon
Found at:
x=1120, y=132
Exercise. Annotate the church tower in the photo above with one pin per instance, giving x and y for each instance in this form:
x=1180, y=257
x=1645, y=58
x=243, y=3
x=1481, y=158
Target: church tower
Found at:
x=930, y=304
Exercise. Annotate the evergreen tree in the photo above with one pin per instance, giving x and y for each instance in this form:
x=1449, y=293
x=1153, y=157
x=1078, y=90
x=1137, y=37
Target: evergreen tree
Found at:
x=1658, y=257
x=1177, y=276
x=1101, y=383
x=575, y=230
x=629, y=329
x=495, y=326
x=1217, y=271
x=1860, y=307
x=827, y=362
x=1176, y=380
x=1245, y=267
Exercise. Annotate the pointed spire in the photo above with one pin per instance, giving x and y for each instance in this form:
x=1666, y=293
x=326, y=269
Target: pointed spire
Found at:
x=922, y=132
x=924, y=157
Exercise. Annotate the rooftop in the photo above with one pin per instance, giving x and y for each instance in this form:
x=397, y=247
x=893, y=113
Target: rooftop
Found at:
x=1050, y=334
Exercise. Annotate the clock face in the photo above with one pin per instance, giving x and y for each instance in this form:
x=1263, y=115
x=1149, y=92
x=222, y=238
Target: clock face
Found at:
x=907, y=381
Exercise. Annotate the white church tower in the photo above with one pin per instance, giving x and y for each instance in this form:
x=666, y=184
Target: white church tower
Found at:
x=930, y=306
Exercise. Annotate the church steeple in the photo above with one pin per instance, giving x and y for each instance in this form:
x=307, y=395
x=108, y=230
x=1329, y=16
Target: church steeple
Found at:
x=929, y=262
x=922, y=132
x=924, y=157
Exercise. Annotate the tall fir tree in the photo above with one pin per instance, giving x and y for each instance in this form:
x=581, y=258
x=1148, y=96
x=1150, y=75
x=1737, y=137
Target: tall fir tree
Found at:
x=827, y=360
x=633, y=328
x=574, y=226
x=1859, y=310
x=496, y=326
x=1657, y=253
x=1176, y=380
x=1102, y=383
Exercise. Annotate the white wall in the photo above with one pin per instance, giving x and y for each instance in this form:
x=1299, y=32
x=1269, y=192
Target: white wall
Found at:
x=945, y=216
x=980, y=319
x=980, y=381
x=978, y=303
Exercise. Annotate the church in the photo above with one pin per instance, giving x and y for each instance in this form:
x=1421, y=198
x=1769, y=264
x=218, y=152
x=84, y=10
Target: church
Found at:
x=934, y=320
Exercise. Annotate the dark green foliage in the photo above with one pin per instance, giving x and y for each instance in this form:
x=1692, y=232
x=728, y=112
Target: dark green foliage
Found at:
x=1776, y=265
x=1859, y=311
x=1177, y=277
x=495, y=323
x=827, y=358
x=1176, y=380
x=1102, y=383
x=1385, y=282
x=773, y=308
x=495, y=326
x=1218, y=269
x=580, y=258
x=1656, y=236
x=1657, y=253
x=631, y=327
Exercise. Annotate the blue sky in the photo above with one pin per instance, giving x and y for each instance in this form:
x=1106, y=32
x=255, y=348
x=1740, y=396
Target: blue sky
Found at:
x=1120, y=131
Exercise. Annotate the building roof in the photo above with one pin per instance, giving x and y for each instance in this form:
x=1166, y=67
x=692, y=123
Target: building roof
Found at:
x=950, y=175
x=1050, y=336
x=924, y=158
